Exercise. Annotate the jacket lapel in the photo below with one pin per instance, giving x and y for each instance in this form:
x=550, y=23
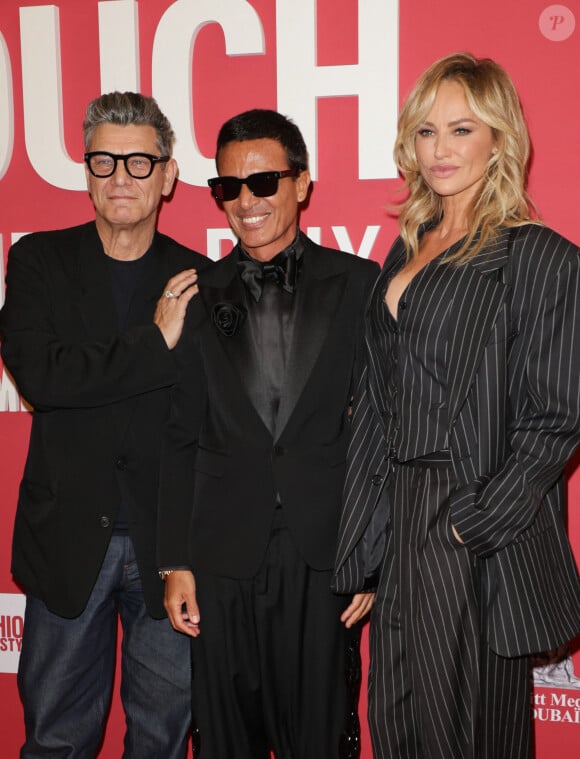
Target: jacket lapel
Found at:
x=95, y=293
x=318, y=296
x=149, y=287
x=393, y=262
x=480, y=294
x=222, y=285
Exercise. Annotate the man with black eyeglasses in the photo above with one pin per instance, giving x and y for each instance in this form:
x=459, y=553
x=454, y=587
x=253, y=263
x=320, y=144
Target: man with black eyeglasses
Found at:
x=90, y=319
x=253, y=467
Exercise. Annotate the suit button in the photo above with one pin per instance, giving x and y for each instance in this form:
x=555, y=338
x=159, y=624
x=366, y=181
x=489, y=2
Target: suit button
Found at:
x=377, y=480
x=104, y=521
x=121, y=463
x=402, y=305
x=279, y=450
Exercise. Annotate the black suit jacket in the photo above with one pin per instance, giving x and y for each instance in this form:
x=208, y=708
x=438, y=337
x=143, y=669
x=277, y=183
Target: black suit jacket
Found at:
x=222, y=468
x=100, y=400
x=513, y=403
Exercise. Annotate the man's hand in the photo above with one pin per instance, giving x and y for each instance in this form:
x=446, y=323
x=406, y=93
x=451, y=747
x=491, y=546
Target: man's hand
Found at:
x=180, y=593
x=360, y=605
x=172, y=305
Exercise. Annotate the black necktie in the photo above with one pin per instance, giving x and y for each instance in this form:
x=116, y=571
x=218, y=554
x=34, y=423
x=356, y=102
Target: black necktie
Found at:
x=281, y=269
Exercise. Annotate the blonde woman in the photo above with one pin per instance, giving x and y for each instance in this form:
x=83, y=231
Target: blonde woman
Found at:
x=465, y=417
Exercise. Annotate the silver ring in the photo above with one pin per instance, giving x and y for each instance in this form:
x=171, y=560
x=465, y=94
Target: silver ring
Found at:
x=169, y=294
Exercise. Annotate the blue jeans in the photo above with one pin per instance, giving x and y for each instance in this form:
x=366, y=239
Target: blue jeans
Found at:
x=67, y=666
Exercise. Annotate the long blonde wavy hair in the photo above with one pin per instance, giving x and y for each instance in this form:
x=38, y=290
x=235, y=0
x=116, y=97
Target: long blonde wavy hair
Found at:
x=503, y=200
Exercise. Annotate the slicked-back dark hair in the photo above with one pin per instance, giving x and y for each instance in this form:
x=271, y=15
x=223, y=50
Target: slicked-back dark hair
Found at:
x=261, y=123
x=124, y=109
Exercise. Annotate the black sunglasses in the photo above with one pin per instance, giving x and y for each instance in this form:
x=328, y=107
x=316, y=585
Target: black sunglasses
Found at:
x=262, y=184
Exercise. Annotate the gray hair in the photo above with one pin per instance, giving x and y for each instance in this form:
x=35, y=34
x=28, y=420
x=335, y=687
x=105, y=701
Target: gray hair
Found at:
x=125, y=108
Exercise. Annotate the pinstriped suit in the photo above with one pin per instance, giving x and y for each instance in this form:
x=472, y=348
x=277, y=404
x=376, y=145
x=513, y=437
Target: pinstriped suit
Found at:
x=512, y=422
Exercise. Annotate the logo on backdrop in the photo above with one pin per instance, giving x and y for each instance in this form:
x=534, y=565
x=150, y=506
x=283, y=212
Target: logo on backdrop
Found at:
x=11, y=627
x=559, y=674
x=171, y=59
x=557, y=23
x=563, y=704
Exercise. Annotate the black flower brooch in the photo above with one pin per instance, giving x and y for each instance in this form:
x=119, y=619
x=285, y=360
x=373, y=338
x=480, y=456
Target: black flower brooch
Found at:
x=228, y=318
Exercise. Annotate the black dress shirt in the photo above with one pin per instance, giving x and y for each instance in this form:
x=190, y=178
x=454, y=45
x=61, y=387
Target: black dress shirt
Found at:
x=269, y=337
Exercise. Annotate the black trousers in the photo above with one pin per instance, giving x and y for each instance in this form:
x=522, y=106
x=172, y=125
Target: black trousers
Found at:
x=274, y=668
x=436, y=690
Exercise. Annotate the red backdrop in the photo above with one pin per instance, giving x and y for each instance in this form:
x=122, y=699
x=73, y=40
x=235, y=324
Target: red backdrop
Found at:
x=339, y=68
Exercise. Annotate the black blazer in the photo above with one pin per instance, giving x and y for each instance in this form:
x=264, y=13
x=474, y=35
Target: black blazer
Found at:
x=514, y=421
x=222, y=468
x=100, y=400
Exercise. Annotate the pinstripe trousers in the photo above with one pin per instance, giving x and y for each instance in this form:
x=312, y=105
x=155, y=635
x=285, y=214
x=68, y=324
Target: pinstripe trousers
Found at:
x=436, y=690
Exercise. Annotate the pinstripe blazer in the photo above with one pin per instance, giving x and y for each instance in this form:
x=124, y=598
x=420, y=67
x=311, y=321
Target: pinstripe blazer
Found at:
x=513, y=396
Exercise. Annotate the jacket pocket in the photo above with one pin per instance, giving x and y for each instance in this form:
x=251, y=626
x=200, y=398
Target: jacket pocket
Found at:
x=36, y=501
x=210, y=462
x=335, y=453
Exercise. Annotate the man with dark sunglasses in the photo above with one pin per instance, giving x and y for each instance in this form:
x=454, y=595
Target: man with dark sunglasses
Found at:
x=88, y=340
x=253, y=467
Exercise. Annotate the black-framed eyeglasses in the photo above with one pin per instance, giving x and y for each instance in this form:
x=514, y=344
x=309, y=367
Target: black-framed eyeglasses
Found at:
x=137, y=165
x=262, y=184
